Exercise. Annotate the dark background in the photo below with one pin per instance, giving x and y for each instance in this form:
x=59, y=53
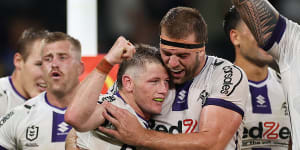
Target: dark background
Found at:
x=137, y=20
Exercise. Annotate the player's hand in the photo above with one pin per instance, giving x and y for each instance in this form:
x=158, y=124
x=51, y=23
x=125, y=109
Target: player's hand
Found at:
x=128, y=129
x=121, y=50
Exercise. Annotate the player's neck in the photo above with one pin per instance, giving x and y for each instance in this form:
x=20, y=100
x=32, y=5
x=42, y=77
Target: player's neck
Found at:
x=202, y=63
x=61, y=100
x=129, y=99
x=254, y=72
x=16, y=81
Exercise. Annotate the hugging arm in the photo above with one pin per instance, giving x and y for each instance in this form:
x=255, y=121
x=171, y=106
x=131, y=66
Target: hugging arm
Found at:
x=213, y=134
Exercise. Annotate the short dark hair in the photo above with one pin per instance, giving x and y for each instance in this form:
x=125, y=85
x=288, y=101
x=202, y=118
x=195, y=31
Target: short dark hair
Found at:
x=26, y=40
x=144, y=54
x=179, y=22
x=231, y=20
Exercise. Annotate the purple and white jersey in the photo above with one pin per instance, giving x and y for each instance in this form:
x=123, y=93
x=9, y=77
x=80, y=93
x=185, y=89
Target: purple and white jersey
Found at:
x=95, y=139
x=219, y=83
x=267, y=121
x=285, y=48
x=9, y=96
x=35, y=125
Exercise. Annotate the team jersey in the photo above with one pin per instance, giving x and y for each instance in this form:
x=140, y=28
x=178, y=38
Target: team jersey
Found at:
x=95, y=139
x=284, y=47
x=34, y=125
x=219, y=83
x=9, y=96
x=267, y=122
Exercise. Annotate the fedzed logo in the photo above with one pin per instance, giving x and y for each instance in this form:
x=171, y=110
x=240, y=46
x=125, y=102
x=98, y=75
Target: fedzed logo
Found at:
x=267, y=130
x=189, y=123
x=227, y=82
x=32, y=132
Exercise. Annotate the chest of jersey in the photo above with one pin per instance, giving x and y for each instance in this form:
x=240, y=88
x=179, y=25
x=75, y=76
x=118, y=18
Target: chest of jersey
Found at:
x=43, y=129
x=267, y=119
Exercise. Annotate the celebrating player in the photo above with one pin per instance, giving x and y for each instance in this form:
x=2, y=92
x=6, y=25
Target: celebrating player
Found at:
x=280, y=37
x=26, y=81
x=267, y=109
x=143, y=84
x=39, y=123
x=207, y=102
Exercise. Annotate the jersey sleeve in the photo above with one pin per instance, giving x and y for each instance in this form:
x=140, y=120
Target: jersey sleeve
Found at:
x=229, y=89
x=3, y=102
x=284, y=42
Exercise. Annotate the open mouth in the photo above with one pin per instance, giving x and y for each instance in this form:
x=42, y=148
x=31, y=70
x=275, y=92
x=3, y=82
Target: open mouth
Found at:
x=55, y=75
x=42, y=86
x=176, y=73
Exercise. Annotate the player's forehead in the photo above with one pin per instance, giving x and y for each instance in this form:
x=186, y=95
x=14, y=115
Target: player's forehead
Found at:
x=152, y=70
x=57, y=48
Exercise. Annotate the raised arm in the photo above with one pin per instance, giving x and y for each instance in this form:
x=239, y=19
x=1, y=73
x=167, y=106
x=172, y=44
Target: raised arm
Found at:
x=260, y=16
x=83, y=113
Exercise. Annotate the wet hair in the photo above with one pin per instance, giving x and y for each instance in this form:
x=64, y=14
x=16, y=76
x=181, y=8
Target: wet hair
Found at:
x=180, y=22
x=60, y=36
x=144, y=54
x=231, y=19
x=28, y=37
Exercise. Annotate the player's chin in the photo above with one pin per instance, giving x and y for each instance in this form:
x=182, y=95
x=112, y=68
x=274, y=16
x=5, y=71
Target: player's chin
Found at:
x=156, y=109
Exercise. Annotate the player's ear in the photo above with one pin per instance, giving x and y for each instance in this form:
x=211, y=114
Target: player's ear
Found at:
x=18, y=61
x=234, y=37
x=127, y=83
x=81, y=68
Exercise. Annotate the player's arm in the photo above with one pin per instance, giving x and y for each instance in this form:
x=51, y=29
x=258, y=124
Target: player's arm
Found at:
x=260, y=16
x=217, y=126
x=83, y=113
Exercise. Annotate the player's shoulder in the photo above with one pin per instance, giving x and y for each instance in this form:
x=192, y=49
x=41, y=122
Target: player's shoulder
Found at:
x=225, y=67
x=274, y=75
x=4, y=82
x=227, y=76
x=115, y=99
x=30, y=105
x=109, y=97
x=3, y=93
x=15, y=115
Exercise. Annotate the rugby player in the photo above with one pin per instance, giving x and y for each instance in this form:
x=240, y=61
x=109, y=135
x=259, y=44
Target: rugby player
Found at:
x=280, y=37
x=267, y=122
x=208, y=100
x=26, y=80
x=143, y=83
x=39, y=123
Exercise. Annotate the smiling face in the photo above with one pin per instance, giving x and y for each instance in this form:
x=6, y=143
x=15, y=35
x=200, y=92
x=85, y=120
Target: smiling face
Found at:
x=183, y=64
x=150, y=84
x=61, y=66
x=32, y=81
